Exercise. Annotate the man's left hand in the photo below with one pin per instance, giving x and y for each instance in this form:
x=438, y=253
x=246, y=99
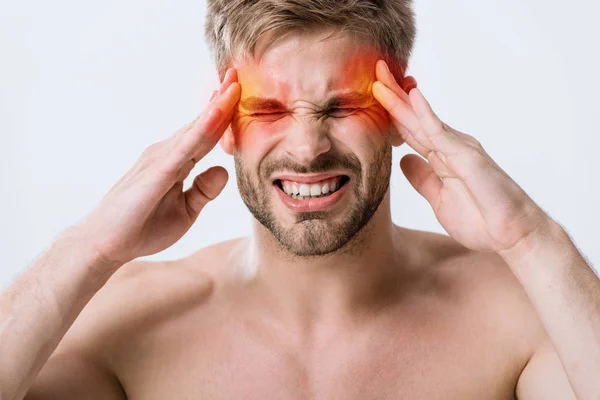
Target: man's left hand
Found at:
x=475, y=201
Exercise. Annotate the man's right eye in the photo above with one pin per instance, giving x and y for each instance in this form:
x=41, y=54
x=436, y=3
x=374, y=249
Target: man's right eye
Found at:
x=268, y=115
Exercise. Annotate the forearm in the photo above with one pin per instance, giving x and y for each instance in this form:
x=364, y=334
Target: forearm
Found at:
x=40, y=306
x=566, y=294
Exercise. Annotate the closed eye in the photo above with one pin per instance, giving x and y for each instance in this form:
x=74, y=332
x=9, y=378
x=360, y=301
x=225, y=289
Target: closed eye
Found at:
x=340, y=112
x=268, y=115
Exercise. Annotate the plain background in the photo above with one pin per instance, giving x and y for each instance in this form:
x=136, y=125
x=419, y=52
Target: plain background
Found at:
x=86, y=86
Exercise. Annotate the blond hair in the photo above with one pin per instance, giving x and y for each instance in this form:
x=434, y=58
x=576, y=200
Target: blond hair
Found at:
x=234, y=26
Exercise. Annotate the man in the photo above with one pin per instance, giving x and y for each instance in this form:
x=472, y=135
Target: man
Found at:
x=328, y=299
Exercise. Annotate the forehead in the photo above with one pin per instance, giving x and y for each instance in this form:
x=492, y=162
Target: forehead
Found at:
x=307, y=66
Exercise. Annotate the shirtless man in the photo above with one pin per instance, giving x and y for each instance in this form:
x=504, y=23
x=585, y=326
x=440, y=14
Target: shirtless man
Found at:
x=328, y=299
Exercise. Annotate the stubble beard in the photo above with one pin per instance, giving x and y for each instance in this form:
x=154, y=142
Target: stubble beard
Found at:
x=316, y=233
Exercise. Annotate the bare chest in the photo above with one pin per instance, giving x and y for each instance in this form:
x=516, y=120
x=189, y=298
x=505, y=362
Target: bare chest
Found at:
x=408, y=361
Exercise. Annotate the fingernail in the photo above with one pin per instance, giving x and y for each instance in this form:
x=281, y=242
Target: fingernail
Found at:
x=213, y=95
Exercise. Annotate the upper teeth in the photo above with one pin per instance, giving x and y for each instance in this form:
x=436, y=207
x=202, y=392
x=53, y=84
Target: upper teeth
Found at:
x=302, y=190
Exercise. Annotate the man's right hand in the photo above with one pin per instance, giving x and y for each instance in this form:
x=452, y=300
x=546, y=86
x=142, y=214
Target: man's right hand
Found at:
x=147, y=211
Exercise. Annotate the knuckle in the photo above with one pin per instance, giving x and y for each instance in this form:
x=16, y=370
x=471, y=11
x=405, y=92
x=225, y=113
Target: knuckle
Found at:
x=474, y=142
x=469, y=139
x=151, y=149
x=477, y=160
x=166, y=171
x=182, y=153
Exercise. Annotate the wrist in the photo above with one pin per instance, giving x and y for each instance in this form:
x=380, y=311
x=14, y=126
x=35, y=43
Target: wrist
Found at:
x=67, y=275
x=77, y=242
x=549, y=241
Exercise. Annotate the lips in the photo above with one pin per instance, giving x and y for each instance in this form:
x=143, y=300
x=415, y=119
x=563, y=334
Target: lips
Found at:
x=302, y=195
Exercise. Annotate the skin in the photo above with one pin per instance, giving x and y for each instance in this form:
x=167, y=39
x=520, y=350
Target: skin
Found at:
x=505, y=305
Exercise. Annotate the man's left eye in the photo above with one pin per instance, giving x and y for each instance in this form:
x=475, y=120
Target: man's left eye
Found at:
x=340, y=112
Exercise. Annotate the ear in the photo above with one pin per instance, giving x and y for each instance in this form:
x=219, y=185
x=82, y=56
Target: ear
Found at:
x=408, y=84
x=227, y=141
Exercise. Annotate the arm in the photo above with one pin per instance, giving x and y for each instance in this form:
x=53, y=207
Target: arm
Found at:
x=566, y=294
x=145, y=212
x=481, y=207
x=544, y=377
x=75, y=377
x=37, y=310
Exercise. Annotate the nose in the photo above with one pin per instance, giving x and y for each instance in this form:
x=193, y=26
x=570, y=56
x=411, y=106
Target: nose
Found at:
x=306, y=140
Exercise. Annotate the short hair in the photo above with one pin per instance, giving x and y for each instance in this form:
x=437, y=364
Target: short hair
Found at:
x=233, y=27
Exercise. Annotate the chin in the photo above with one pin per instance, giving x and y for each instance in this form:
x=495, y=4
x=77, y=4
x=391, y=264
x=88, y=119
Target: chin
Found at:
x=312, y=237
x=318, y=233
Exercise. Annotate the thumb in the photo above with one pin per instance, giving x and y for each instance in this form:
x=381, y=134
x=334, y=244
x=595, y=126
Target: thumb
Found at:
x=422, y=177
x=206, y=187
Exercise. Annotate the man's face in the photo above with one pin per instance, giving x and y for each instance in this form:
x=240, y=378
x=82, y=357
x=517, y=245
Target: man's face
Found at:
x=307, y=123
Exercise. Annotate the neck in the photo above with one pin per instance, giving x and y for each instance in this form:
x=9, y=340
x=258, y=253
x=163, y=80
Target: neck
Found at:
x=354, y=281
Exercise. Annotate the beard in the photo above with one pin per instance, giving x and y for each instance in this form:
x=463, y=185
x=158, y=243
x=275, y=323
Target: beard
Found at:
x=315, y=233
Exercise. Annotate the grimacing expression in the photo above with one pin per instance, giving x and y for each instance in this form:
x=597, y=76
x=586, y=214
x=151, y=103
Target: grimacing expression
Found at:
x=307, y=117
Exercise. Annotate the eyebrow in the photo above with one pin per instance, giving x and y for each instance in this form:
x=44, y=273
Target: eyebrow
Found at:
x=254, y=104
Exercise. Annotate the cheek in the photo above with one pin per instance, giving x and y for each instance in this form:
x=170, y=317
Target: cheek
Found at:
x=358, y=136
x=255, y=139
x=378, y=120
x=367, y=126
x=258, y=135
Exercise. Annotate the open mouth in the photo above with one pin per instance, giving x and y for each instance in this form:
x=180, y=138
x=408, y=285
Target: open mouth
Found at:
x=314, y=190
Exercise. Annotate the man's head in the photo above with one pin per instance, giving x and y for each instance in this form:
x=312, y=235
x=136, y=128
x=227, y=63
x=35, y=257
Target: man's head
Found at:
x=307, y=121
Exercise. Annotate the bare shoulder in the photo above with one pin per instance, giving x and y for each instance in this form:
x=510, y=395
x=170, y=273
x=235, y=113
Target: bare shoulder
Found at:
x=480, y=285
x=141, y=296
x=442, y=256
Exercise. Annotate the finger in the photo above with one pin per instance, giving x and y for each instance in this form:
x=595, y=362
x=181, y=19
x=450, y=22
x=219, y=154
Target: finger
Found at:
x=206, y=187
x=177, y=154
x=220, y=130
x=228, y=107
x=180, y=132
x=205, y=133
x=489, y=186
x=442, y=138
x=403, y=116
x=439, y=166
x=228, y=79
x=422, y=177
x=384, y=75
